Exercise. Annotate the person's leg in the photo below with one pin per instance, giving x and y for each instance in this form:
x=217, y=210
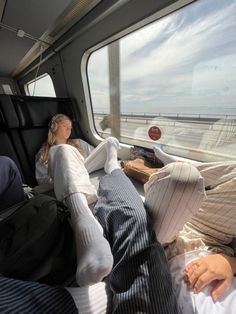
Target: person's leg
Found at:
x=173, y=195
x=31, y=297
x=72, y=184
x=111, y=162
x=11, y=191
x=167, y=159
x=216, y=222
x=140, y=279
x=97, y=158
x=66, y=167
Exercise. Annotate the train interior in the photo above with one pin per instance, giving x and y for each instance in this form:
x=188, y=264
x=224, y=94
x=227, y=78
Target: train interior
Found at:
x=54, y=49
x=151, y=73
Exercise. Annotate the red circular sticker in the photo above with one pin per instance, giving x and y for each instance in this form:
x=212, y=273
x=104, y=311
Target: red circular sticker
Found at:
x=154, y=133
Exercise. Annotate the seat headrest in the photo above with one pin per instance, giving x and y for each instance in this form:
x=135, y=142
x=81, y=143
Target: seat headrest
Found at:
x=8, y=117
x=38, y=111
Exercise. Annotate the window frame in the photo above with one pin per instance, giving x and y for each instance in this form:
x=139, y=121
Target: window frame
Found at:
x=85, y=58
x=34, y=81
x=88, y=95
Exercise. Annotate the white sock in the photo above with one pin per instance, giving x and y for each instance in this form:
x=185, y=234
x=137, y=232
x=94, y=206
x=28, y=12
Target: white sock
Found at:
x=94, y=257
x=167, y=159
x=164, y=157
x=112, y=159
x=97, y=158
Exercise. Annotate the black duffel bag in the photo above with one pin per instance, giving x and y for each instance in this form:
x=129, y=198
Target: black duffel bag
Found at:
x=36, y=241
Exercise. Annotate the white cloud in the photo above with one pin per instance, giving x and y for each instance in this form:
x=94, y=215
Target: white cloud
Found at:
x=183, y=46
x=192, y=58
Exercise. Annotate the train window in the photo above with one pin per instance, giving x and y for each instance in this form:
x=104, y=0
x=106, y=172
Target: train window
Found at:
x=41, y=86
x=172, y=83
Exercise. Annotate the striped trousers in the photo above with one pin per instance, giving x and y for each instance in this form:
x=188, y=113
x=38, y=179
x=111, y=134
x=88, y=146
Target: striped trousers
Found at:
x=23, y=297
x=140, y=279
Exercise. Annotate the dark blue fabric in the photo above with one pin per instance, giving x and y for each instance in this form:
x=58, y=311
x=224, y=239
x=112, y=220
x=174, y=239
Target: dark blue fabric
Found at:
x=11, y=191
x=33, y=298
x=140, y=279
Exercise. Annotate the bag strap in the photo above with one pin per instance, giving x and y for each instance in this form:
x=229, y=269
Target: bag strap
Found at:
x=7, y=212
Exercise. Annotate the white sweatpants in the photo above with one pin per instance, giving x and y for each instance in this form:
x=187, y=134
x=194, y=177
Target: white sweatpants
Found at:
x=70, y=171
x=66, y=167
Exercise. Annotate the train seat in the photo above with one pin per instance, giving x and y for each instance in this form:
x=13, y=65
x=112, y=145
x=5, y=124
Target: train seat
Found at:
x=24, y=124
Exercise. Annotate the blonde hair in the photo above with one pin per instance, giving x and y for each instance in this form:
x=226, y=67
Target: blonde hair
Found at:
x=43, y=153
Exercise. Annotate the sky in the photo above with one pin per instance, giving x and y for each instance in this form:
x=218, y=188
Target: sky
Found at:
x=182, y=63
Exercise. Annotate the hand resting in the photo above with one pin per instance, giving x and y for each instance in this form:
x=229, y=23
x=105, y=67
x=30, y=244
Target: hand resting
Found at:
x=215, y=269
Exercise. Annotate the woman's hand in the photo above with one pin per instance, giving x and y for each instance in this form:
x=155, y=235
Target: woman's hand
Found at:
x=203, y=271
